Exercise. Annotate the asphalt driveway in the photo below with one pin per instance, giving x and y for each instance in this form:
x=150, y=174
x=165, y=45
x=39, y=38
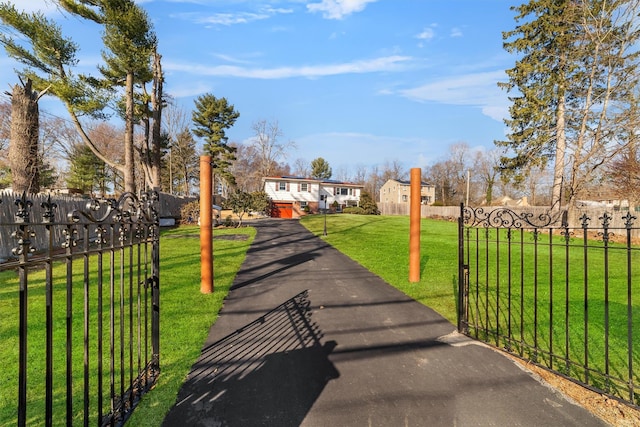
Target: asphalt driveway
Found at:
x=308, y=337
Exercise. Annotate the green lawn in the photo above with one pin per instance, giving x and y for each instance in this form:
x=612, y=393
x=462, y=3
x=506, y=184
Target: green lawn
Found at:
x=537, y=301
x=381, y=244
x=569, y=298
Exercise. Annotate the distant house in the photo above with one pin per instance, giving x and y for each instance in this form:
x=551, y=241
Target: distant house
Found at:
x=292, y=197
x=604, y=198
x=399, y=191
x=509, y=202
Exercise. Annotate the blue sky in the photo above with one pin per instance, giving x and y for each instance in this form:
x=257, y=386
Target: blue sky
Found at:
x=357, y=82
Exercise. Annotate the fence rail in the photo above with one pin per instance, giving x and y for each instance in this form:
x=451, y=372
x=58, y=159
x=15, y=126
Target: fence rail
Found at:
x=79, y=299
x=167, y=206
x=564, y=297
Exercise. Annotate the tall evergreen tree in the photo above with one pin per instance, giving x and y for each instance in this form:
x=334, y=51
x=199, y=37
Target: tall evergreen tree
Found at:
x=86, y=171
x=184, y=162
x=130, y=44
x=540, y=79
x=50, y=57
x=211, y=117
x=569, y=87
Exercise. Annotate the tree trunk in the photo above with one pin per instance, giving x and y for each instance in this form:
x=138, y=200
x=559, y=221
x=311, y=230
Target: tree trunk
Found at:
x=23, y=148
x=156, y=105
x=561, y=144
x=489, y=194
x=129, y=160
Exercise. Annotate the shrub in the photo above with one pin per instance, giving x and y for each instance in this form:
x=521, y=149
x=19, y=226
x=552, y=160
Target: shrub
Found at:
x=190, y=212
x=368, y=205
x=357, y=210
x=228, y=222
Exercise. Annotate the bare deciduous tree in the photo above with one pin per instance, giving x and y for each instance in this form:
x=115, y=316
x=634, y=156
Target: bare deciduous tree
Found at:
x=301, y=168
x=268, y=145
x=485, y=172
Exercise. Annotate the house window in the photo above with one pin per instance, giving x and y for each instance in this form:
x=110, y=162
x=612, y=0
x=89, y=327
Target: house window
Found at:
x=303, y=204
x=404, y=198
x=342, y=191
x=304, y=186
x=282, y=186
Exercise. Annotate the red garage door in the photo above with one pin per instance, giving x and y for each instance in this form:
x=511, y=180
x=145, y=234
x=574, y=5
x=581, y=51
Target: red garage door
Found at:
x=282, y=210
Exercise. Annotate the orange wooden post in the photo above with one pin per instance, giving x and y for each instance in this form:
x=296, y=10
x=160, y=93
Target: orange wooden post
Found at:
x=414, y=229
x=206, y=230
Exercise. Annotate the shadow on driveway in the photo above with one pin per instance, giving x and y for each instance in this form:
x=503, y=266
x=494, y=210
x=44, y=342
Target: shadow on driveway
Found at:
x=267, y=373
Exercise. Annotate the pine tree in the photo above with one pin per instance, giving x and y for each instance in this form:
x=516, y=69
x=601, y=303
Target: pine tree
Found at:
x=86, y=170
x=49, y=58
x=541, y=77
x=368, y=205
x=130, y=44
x=211, y=117
x=320, y=169
x=570, y=88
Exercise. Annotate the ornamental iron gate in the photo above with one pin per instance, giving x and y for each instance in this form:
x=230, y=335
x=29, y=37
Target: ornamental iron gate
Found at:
x=564, y=297
x=80, y=310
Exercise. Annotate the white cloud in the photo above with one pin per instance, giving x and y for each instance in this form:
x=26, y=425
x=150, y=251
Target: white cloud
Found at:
x=231, y=59
x=426, y=34
x=456, y=32
x=388, y=63
x=338, y=9
x=226, y=18
x=277, y=11
x=479, y=89
x=232, y=18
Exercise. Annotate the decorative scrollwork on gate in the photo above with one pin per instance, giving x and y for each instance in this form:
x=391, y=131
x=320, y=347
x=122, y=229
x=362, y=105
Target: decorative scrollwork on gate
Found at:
x=507, y=218
x=126, y=209
x=24, y=233
x=24, y=205
x=49, y=207
x=629, y=220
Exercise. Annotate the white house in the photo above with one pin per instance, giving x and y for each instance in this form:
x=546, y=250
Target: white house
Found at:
x=292, y=197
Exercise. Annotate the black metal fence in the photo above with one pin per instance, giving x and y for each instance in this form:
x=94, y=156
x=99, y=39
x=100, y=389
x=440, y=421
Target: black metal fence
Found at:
x=79, y=317
x=565, y=297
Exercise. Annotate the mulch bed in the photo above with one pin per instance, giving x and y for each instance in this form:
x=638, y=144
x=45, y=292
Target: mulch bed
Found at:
x=220, y=237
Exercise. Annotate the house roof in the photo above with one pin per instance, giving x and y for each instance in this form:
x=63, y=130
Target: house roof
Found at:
x=405, y=182
x=321, y=181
